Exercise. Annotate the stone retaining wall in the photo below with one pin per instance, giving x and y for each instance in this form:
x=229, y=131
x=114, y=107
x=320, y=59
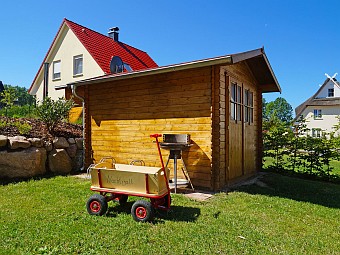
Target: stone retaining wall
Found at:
x=23, y=158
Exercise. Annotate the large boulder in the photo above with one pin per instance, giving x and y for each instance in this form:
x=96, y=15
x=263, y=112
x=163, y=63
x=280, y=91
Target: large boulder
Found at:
x=79, y=143
x=72, y=150
x=17, y=142
x=60, y=143
x=36, y=142
x=3, y=140
x=59, y=161
x=23, y=164
x=77, y=161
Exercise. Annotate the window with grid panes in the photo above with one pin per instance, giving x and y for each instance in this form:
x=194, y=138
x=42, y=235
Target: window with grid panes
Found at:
x=236, y=102
x=248, y=106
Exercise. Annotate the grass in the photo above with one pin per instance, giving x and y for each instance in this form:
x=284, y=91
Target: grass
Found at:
x=283, y=215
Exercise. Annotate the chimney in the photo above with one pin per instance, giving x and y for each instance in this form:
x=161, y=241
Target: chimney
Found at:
x=113, y=33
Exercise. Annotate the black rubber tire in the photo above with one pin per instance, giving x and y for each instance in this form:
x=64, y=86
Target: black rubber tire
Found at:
x=142, y=211
x=96, y=205
x=123, y=199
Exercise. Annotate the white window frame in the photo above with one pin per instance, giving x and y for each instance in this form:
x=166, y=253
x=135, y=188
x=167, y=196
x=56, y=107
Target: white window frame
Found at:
x=56, y=70
x=316, y=132
x=317, y=114
x=331, y=92
x=75, y=69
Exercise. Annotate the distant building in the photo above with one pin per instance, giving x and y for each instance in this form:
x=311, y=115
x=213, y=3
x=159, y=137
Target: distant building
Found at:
x=321, y=110
x=79, y=53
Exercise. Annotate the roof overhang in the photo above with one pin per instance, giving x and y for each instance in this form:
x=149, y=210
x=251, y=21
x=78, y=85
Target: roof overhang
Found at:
x=256, y=60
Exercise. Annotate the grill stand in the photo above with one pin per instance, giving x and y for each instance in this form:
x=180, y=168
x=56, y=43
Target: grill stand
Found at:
x=177, y=154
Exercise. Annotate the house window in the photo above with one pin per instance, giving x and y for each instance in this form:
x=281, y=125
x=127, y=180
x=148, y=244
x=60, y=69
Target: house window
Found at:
x=317, y=114
x=248, y=106
x=236, y=102
x=316, y=132
x=78, y=65
x=56, y=70
x=331, y=92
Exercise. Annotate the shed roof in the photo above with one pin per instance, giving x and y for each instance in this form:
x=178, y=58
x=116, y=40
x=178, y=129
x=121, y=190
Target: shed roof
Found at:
x=102, y=48
x=256, y=60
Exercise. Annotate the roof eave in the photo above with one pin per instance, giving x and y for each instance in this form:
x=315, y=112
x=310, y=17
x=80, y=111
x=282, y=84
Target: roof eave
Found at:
x=158, y=70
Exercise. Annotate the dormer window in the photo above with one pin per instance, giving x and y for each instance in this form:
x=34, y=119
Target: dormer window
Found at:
x=331, y=92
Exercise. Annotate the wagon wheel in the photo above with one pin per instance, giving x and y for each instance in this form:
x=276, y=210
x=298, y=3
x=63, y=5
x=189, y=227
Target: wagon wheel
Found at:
x=142, y=211
x=96, y=205
x=123, y=199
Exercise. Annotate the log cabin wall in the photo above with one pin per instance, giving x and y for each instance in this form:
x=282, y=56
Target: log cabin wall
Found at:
x=121, y=115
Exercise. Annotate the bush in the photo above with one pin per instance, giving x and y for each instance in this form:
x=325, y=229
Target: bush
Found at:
x=23, y=128
x=52, y=112
x=25, y=111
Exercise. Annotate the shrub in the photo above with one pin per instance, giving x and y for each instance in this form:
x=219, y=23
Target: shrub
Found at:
x=52, y=112
x=23, y=128
x=16, y=111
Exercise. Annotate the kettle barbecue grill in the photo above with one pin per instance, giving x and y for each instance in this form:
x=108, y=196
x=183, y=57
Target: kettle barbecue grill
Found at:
x=176, y=143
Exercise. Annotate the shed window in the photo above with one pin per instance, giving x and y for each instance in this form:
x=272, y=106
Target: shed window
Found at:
x=78, y=65
x=317, y=114
x=56, y=70
x=236, y=102
x=331, y=92
x=248, y=106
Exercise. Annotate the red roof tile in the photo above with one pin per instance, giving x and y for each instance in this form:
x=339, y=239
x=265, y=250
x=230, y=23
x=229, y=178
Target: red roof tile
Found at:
x=102, y=48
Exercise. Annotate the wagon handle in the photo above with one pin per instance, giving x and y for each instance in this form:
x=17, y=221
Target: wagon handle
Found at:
x=163, y=168
x=159, y=149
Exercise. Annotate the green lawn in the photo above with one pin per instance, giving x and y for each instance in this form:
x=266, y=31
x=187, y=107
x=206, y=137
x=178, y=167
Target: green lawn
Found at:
x=284, y=215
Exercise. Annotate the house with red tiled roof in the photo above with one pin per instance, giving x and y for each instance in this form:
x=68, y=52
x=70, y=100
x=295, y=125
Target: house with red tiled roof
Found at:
x=79, y=53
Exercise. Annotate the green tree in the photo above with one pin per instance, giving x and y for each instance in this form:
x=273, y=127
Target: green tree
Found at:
x=8, y=96
x=278, y=110
x=22, y=95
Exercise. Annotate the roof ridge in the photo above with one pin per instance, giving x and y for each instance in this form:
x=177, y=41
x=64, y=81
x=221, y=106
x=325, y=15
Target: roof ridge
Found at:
x=86, y=28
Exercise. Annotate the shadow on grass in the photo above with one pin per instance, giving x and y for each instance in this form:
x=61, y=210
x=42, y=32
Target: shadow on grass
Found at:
x=316, y=192
x=176, y=213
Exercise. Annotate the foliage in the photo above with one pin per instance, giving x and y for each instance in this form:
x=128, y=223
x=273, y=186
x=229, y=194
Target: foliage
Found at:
x=240, y=222
x=22, y=96
x=17, y=111
x=23, y=128
x=7, y=98
x=279, y=109
x=292, y=149
x=51, y=112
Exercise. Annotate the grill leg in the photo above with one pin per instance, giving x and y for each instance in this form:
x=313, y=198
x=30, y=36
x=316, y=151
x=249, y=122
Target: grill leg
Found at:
x=175, y=172
x=186, y=174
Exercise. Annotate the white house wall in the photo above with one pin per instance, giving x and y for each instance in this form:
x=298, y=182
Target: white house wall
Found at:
x=328, y=120
x=323, y=93
x=65, y=48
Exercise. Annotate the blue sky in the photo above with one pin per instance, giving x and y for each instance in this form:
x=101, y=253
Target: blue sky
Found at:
x=301, y=38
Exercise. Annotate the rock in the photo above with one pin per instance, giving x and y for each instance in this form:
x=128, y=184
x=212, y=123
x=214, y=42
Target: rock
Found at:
x=23, y=164
x=71, y=141
x=79, y=142
x=72, y=150
x=48, y=146
x=36, y=142
x=3, y=140
x=77, y=161
x=60, y=143
x=17, y=142
x=59, y=161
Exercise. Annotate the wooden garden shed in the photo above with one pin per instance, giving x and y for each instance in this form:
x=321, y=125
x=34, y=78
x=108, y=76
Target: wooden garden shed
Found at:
x=217, y=101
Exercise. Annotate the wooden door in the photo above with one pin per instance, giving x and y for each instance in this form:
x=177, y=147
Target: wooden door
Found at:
x=242, y=150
